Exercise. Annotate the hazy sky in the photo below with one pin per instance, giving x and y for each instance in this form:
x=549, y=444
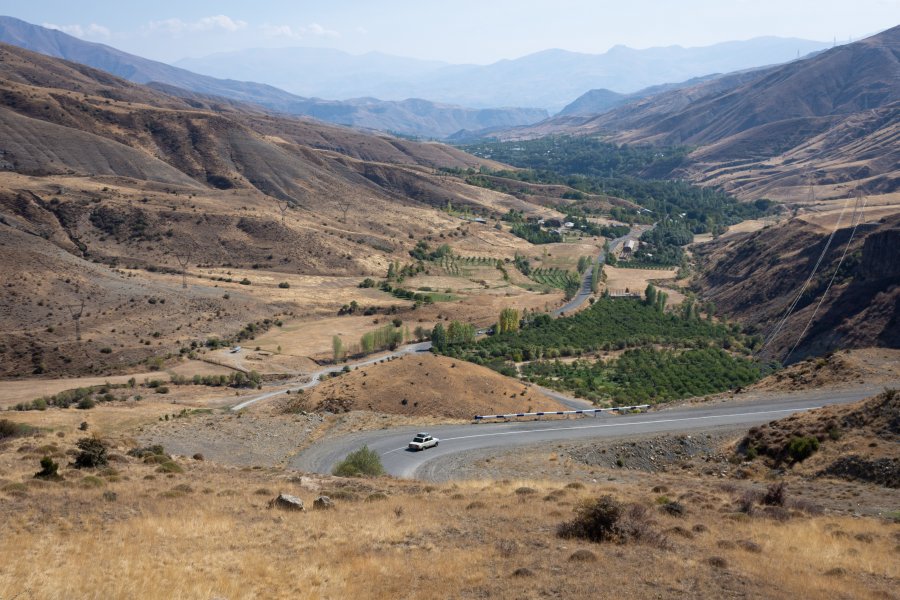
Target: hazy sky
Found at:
x=477, y=31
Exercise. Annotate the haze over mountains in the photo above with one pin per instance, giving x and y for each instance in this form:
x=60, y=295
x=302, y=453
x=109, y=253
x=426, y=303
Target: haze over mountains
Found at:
x=550, y=79
x=412, y=117
x=834, y=117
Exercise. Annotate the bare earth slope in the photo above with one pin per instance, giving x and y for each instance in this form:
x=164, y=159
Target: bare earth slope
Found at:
x=425, y=385
x=757, y=276
x=104, y=184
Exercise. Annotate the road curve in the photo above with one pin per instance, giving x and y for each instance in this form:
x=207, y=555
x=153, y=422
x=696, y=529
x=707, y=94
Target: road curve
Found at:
x=391, y=444
x=584, y=292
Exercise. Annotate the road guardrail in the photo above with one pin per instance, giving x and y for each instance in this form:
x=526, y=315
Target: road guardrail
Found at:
x=560, y=412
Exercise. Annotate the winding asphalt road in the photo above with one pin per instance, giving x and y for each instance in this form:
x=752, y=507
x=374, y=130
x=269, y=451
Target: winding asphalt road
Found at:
x=585, y=291
x=391, y=444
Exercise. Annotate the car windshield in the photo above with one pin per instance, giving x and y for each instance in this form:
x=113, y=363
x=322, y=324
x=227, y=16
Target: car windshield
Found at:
x=419, y=439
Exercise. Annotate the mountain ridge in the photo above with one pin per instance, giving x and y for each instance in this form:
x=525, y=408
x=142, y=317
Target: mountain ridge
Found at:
x=549, y=78
x=422, y=118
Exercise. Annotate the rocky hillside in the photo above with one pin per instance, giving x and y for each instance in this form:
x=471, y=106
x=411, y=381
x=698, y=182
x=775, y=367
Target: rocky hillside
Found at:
x=757, y=276
x=847, y=442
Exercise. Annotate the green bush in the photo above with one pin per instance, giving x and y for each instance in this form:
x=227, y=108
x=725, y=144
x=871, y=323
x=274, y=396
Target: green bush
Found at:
x=48, y=470
x=284, y=285
x=360, y=463
x=92, y=454
x=801, y=448
x=86, y=403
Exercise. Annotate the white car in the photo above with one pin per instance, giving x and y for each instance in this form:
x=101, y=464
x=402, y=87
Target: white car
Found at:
x=423, y=441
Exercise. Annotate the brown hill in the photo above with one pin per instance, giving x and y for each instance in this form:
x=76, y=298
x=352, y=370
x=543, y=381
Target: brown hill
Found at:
x=426, y=385
x=757, y=276
x=105, y=183
x=409, y=117
x=831, y=119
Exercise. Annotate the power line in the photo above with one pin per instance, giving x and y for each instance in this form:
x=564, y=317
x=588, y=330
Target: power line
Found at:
x=793, y=305
x=857, y=218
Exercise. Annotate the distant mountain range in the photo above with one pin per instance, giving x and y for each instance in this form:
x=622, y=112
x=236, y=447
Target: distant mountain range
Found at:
x=550, y=79
x=832, y=119
x=409, y=117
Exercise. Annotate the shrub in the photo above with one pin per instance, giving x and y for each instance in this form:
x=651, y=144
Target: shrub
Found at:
x=48, y=470
x=284, y=285
x=595, y=520
x=86, y=403
x=162, y=389
x=170, y=467
x=775, y=494
x=360, y=463
x=92, y=454
x=10, y=429
x=801, y=448
x=244, y=281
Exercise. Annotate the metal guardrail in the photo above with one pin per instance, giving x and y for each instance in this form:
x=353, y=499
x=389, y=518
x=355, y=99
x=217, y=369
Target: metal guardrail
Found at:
x=560, y=412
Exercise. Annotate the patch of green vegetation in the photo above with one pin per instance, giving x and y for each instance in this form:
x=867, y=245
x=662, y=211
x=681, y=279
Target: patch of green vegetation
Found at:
x=646, y=376
x=632, y=172
x=609, y=324
x=701, y=357
x=360, y=463
x=535, y=234
x=801, y=448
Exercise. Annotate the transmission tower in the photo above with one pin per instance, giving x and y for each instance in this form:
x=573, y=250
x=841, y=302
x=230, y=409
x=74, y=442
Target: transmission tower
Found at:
x=76, y=310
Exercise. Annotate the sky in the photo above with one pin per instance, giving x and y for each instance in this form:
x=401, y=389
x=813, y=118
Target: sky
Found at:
x=463, y=31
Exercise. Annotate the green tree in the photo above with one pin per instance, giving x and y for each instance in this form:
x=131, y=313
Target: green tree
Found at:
x=460, y=333
x=509, y=320
x=439, y=337
x=650, y=295
x=337, y=347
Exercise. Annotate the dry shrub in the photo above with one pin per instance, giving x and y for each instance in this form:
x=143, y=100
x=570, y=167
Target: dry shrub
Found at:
x=525, y=491
x=605, y=519
x=749, y=546
x=523, y=572
x=717, y=562
x=583, y=555
x=775, y=495
x=92, y=453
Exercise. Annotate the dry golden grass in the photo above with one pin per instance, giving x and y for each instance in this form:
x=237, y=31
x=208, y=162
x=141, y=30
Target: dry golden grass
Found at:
x=208, y=534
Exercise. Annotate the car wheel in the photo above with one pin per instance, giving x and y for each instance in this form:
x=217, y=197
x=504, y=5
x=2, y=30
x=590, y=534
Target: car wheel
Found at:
x=436, y=444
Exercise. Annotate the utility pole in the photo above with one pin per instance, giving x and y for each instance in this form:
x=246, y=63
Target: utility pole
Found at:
x=184, y=259
x=76, y=310
x=283, y=208
x=344, y=205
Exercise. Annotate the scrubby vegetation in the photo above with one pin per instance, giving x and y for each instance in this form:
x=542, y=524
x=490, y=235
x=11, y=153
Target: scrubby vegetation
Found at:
x=360, y=463
x=10, y=429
